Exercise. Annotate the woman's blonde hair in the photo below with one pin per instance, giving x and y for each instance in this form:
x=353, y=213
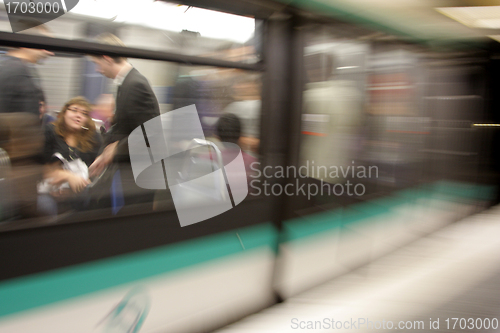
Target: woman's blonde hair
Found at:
x=85, y=137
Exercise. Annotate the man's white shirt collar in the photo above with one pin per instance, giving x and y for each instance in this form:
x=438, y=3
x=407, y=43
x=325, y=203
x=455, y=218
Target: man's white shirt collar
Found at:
x=122, y=74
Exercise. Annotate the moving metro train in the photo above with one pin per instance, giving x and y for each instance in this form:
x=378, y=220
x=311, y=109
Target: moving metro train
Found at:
x=364, y=140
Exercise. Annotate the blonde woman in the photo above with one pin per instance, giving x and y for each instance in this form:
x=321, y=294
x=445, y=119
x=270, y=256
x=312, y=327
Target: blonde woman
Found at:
x=71, y=146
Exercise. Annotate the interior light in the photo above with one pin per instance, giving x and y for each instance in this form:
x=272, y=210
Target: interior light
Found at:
x=486, y=125
x=170, y=17
x=474, y=16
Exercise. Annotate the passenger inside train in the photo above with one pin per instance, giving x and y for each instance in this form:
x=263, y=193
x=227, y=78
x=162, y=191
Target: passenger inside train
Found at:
x=135, y=103
x=20, y=85
x=228, y=130
x=103, y=112
x=71, y=146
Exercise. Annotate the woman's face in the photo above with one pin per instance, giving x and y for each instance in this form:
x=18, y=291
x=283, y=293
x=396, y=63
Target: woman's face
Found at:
x=76, y=116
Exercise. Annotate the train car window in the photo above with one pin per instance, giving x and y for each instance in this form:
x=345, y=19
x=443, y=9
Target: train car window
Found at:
x=333, y=117
x=380, y=116
x=397, y=127
x=47, y=150
x=158, y=26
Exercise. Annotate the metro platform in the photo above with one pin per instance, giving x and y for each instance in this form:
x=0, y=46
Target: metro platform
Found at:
x=452, y=272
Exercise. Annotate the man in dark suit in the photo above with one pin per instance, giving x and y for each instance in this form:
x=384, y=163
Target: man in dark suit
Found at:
x=136, y=103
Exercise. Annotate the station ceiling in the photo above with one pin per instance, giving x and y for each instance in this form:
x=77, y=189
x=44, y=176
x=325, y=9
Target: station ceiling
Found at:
x=429, y=21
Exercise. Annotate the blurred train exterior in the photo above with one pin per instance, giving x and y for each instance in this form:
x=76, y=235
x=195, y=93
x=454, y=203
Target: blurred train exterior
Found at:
x=403, y=110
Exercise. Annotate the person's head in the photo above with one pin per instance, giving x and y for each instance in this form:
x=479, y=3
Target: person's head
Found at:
x=34, y=56
x=74, y=119
x=104, y=106
x=42, y=108
x=109, y=66
x=228, y=128
x=28, y=54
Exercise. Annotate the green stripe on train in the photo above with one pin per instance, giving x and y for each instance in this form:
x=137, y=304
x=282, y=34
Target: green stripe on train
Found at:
x=364, y=212
x=306, y=226
x=463, y=190
x=45, y=288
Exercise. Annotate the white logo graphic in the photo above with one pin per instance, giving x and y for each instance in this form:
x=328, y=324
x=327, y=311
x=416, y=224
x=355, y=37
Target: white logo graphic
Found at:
x=129, y=314
x=170, y=152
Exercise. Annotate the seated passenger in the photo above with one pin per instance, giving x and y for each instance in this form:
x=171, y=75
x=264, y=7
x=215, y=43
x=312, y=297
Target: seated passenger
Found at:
x=228, y=133
x=45, y=117
x=228, y=129
x=103, y=111
x=71, y=146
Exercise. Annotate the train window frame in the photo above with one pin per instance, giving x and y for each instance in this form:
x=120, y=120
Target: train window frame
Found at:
x=81, y=48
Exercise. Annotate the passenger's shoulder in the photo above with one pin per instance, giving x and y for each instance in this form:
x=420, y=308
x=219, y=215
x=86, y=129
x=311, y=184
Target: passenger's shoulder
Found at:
x=98, y=138
x=49, y=128
x=50, y=132
x=137, y=79
x=13, y=65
